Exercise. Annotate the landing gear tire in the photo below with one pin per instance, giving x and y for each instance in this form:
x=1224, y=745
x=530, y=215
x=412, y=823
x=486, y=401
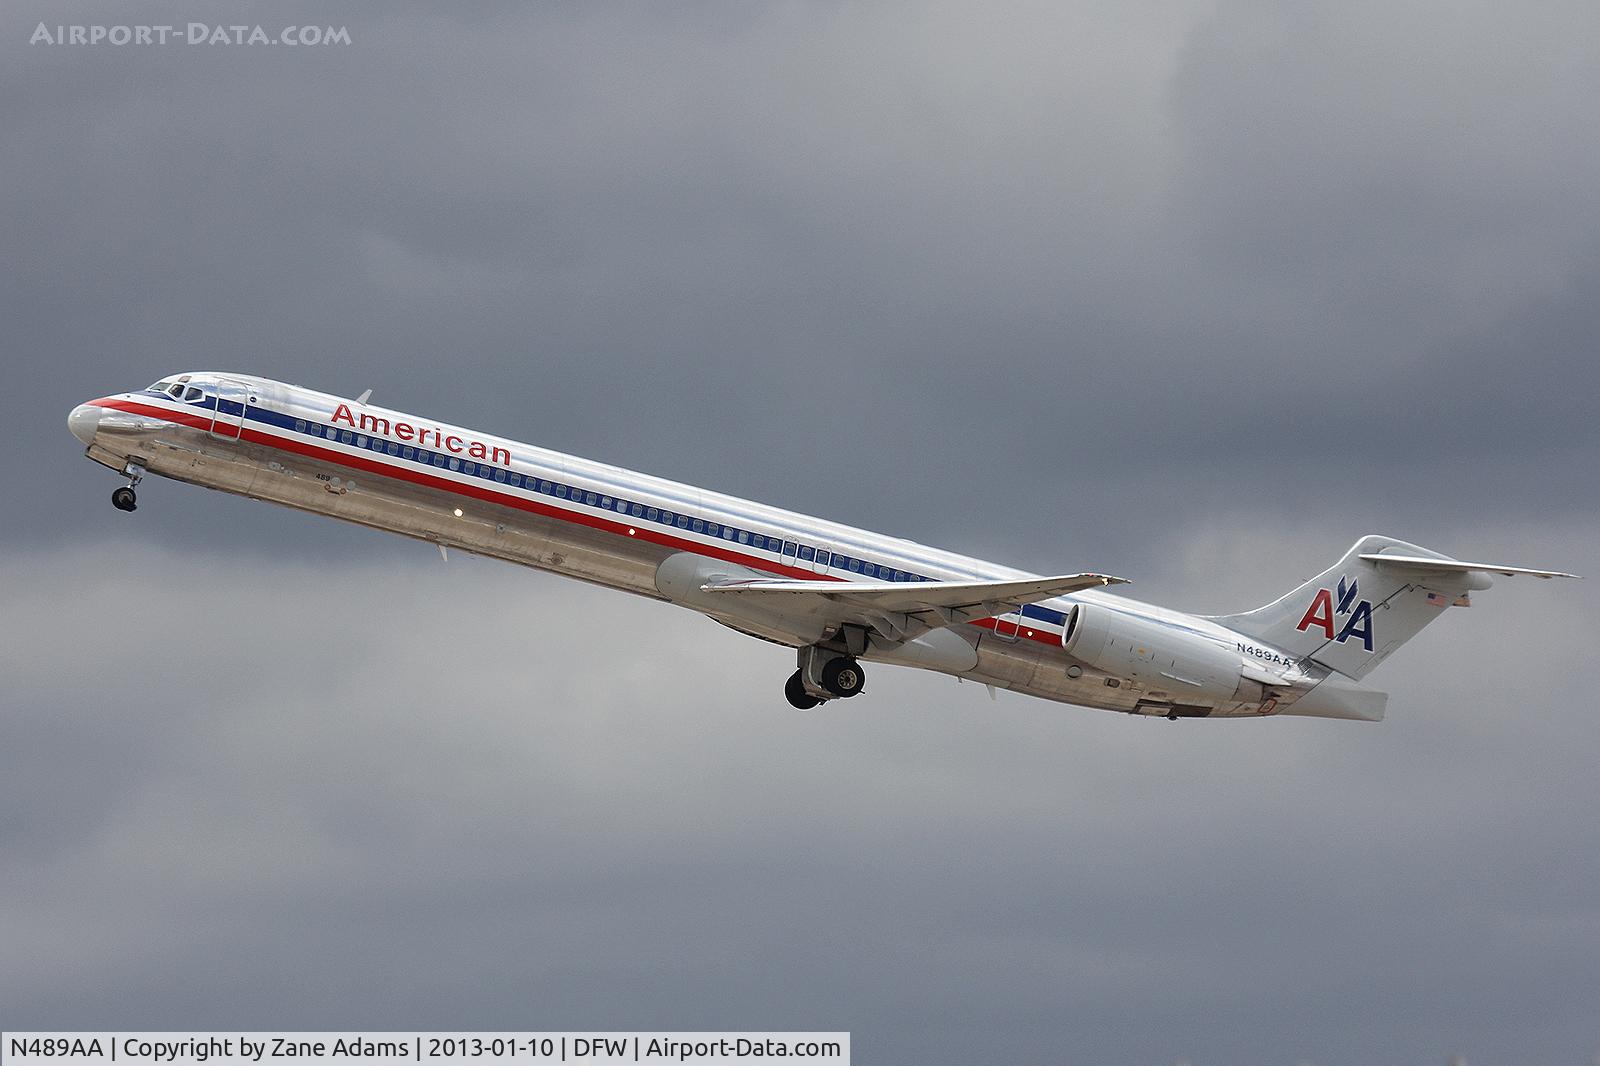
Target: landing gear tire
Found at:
x=843, y=677
x=124, y=499
x=794, y=690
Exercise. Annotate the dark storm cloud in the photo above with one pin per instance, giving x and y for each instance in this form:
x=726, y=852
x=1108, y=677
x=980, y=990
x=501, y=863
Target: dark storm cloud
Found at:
x=281, y=817
x=1257, y=247
x=1195, y=296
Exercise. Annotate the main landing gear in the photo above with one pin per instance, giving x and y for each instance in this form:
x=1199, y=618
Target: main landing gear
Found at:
x=124, y=499
x=794, y=690
x=823, y=675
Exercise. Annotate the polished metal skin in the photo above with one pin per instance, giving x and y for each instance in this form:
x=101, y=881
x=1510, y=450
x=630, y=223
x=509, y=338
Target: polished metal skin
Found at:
x=270, y=441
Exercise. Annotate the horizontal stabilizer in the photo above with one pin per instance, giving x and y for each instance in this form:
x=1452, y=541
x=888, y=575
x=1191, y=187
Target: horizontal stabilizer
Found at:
x=1420, y=562
x=949, y=602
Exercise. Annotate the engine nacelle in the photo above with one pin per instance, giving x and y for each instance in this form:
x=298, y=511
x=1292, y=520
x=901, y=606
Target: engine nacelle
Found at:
x=1184, y=664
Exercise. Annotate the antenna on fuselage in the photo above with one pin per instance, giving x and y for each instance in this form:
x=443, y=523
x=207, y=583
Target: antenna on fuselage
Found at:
x=364, y=397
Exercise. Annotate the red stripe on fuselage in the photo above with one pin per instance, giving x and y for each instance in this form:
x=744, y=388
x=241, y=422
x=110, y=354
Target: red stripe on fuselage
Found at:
x=505, y=499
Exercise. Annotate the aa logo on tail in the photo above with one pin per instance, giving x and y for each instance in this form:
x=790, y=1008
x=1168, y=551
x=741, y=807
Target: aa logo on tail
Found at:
x=1357, y=615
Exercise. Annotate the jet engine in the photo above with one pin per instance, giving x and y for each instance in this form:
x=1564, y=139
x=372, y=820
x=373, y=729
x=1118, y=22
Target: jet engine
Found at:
x=1159, y=656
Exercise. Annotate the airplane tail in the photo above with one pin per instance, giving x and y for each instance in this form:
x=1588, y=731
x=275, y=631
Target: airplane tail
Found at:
x=1353, y=615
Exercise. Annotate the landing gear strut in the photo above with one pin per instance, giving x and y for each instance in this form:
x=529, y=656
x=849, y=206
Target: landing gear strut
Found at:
x=124, y=499
x=824, y=674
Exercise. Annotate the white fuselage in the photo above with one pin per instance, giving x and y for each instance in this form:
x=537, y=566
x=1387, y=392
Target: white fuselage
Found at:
x=492, y=496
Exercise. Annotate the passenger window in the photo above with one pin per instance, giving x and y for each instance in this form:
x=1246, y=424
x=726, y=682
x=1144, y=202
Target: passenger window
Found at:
x=806, y=553
x=683, y=522
x=590, y=498
x=711, y=527
x=438, y=460
x=822, y=557
x=500, y=476
x=561, y=491
x=789, y=548
x=855, y=566
x=666, y=518
x=699, y=525
x=744, y=537
x=394, y=449
x=455, y=464
x=299, y=425
x=406, y=451
x=637, y=510
x=345, y=436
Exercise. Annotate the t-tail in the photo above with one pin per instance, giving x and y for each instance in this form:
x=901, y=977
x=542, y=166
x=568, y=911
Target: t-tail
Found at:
x=1353, y=615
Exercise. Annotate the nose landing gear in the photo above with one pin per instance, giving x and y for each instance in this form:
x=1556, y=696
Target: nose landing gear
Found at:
x=124, y=499
x=824, y=675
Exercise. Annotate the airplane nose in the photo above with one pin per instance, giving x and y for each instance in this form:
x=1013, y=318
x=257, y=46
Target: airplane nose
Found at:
x=83, y=421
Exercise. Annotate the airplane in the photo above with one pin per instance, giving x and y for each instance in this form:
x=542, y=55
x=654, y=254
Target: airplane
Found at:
x=839, y=596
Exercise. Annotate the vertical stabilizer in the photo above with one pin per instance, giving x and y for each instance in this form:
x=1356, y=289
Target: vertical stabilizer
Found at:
x=1352, y=616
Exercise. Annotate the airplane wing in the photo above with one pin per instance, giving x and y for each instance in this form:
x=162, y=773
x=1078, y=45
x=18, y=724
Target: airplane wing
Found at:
x=899, y=609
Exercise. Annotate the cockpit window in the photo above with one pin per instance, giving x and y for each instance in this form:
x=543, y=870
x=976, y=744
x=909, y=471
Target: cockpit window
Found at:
x=192, y=394
x=160, y=386
x=176, y=392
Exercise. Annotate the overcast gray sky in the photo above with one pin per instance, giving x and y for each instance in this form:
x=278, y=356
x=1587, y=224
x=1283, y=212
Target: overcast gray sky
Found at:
x=1192, y=293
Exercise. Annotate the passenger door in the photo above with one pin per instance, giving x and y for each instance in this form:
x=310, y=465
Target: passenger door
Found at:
x=227, y=421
